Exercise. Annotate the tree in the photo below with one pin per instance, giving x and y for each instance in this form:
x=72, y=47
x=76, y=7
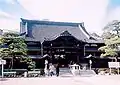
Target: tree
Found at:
x=111, y=38
x=113, y=27
x=14, y=47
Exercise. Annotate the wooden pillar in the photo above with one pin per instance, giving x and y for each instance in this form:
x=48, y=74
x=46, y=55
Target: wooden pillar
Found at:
x=110, y=71
x=118, y=71
x=41, y=48
x=84, y=50
x=2, y=70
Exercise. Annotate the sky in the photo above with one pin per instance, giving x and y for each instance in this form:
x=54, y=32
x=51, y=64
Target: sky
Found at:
x=94, y=13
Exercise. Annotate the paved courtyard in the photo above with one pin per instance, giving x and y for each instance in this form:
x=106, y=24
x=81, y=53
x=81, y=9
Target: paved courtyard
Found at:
x=66, y=80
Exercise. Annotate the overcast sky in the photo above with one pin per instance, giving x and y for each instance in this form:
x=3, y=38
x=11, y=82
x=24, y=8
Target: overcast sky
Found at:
x=94, y=13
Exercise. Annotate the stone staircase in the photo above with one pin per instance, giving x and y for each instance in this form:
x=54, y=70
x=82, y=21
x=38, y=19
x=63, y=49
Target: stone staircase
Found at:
x=87, y=73
x=65, y=72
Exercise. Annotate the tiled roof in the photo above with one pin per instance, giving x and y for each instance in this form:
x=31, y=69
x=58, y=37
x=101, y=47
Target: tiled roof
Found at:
x=95, y=41
x=49, y=30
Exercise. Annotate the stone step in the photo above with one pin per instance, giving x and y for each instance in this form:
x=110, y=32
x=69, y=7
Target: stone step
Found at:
x=87, y=72
x=66, y=71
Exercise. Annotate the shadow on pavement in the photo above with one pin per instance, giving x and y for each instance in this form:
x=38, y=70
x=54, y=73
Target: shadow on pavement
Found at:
x=86, y=76
x=3, y=79
x=65, y=76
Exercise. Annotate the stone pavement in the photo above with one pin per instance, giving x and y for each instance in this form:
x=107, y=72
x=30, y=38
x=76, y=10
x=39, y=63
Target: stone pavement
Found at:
x=65, y=78
x=70, y=80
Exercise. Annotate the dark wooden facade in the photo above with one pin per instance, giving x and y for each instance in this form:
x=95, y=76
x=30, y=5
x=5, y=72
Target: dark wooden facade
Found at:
x=61, y=40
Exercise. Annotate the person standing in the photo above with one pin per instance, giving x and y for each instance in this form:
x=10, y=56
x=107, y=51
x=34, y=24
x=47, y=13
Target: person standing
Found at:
x=46, y=69
x=57, y=69
x=52, y=69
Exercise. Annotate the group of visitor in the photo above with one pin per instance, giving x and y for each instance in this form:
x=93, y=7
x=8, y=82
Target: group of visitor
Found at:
x=51, y=69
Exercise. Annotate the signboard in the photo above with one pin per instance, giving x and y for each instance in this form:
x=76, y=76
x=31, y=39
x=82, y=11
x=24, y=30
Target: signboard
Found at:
x=2, y=62
x=114, y=64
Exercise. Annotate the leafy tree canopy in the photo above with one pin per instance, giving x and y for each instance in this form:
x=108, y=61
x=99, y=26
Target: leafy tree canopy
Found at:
x=111, y=38
x=14, y=46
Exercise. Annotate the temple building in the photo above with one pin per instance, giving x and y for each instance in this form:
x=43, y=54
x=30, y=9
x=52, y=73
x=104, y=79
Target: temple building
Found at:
x=64, y=40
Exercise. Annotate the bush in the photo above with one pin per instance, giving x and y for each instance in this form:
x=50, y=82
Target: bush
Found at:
x=107, y=70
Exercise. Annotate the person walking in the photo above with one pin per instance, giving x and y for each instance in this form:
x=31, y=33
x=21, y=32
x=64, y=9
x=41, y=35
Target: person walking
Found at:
x=57, y=69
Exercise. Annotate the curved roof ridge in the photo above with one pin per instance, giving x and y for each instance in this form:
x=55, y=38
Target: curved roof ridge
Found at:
x=67, y=34
x=84, y=31
x=63, y=33
x=51, y=22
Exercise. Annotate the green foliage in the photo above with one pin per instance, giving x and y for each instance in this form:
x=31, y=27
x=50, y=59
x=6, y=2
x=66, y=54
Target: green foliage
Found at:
x=14, y=46
x=107, y=70
x=31, y=64
x=112, y=39
x=4, y=52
